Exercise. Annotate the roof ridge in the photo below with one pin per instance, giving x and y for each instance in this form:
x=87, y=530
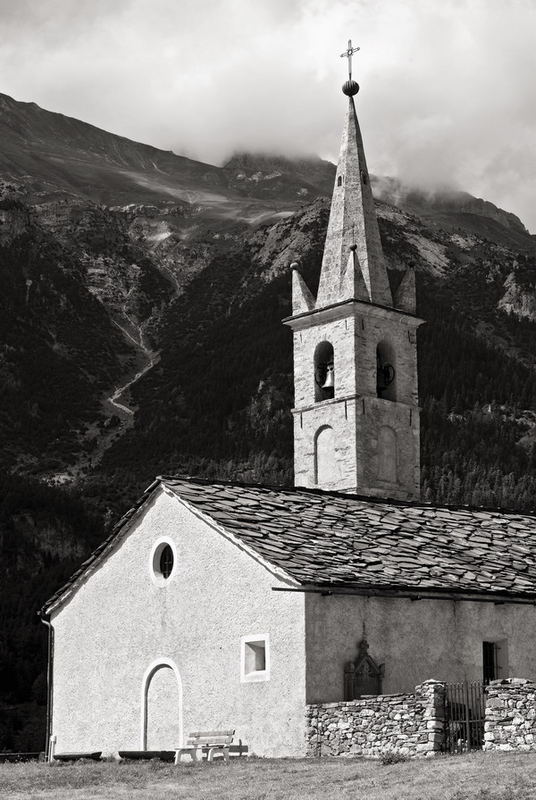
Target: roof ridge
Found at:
x=346, y=495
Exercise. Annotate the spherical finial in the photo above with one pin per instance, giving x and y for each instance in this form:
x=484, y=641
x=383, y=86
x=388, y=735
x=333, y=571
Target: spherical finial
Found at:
x=353, y=248
x=350, y=88
x=294, y=265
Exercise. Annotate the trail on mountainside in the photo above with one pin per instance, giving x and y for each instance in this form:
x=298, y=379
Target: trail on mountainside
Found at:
x=105, y=439
x=147, y=353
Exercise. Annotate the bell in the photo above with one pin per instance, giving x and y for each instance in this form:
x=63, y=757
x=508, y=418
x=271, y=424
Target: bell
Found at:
x=388, y=374
x=329, y=383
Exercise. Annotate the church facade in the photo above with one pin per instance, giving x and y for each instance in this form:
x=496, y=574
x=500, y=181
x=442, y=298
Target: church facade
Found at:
x=228, y=606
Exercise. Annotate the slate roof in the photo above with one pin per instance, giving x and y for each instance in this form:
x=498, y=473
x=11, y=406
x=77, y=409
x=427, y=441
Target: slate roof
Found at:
x=333, y=540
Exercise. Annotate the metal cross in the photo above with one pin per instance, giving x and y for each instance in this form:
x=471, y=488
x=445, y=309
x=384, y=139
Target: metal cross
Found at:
x=348, y=54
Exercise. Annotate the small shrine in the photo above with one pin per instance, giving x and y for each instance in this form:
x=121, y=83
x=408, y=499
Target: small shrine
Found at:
x=362, y=676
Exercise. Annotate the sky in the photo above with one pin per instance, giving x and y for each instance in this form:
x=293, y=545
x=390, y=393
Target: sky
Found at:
x=448, y=87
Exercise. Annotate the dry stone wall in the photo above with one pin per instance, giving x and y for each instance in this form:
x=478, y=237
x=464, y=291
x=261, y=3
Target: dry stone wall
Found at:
x=510, y=715
x=409, y=724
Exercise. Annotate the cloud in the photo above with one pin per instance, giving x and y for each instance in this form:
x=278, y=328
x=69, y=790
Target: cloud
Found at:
x=446, y=88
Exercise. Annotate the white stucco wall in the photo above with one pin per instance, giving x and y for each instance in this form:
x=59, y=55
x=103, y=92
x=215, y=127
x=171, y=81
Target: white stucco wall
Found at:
x=119, y=624
x=416, y=640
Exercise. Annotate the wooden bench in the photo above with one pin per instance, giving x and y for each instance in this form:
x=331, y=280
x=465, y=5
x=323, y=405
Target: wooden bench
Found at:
x=206, y=741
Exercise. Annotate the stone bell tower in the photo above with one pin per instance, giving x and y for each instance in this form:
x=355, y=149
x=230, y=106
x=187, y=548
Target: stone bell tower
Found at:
x=356, y=414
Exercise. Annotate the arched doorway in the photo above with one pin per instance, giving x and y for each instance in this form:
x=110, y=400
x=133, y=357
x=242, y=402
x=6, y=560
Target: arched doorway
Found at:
x=162, y=707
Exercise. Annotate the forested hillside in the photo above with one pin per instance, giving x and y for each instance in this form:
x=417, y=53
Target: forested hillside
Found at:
x=45, y=533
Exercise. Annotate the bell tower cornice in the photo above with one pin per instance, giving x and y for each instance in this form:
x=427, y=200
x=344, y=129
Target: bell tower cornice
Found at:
x=346, y=308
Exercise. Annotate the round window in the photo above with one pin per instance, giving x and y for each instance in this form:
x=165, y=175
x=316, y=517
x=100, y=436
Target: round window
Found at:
x=166, y=561
x=162, y=562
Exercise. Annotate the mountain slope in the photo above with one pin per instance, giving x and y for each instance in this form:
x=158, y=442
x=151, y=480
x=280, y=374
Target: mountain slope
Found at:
x=55, y=156
x=52, y=155
x=59, y=152
x=457, y=211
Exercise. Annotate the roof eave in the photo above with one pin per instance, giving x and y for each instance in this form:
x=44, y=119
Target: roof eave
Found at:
x=413, y=592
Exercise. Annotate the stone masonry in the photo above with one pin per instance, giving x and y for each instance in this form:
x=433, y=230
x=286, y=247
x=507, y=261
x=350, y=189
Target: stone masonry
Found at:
x=409, y=724
x=356, y=414
x=510, y=715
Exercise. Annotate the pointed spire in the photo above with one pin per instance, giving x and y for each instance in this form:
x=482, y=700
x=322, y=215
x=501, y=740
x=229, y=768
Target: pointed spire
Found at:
x=405, y=295
x=352, y=221
x=302, y=299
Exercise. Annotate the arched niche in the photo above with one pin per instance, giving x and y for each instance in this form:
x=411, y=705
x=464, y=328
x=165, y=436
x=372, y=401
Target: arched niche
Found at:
x=387, y=455
x=325, y=467
x=386, y=371
x=363, y=676
x=324, y=372
x=161, y=706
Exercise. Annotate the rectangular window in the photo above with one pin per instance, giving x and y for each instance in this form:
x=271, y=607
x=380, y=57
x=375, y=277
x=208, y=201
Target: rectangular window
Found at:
x=494, y=660
x=489, y=661
x=254, y=658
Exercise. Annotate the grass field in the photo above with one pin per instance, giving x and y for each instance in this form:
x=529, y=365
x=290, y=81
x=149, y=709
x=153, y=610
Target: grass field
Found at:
x=478, y=776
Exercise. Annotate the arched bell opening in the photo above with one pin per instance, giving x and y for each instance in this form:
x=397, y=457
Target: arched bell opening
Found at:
x=324, y=372
x=385, y=371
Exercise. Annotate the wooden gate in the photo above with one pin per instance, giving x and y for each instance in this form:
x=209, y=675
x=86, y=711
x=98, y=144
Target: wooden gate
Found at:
x=465, y=708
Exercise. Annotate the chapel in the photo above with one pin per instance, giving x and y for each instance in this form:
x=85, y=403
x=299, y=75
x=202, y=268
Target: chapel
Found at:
x=217, y=605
